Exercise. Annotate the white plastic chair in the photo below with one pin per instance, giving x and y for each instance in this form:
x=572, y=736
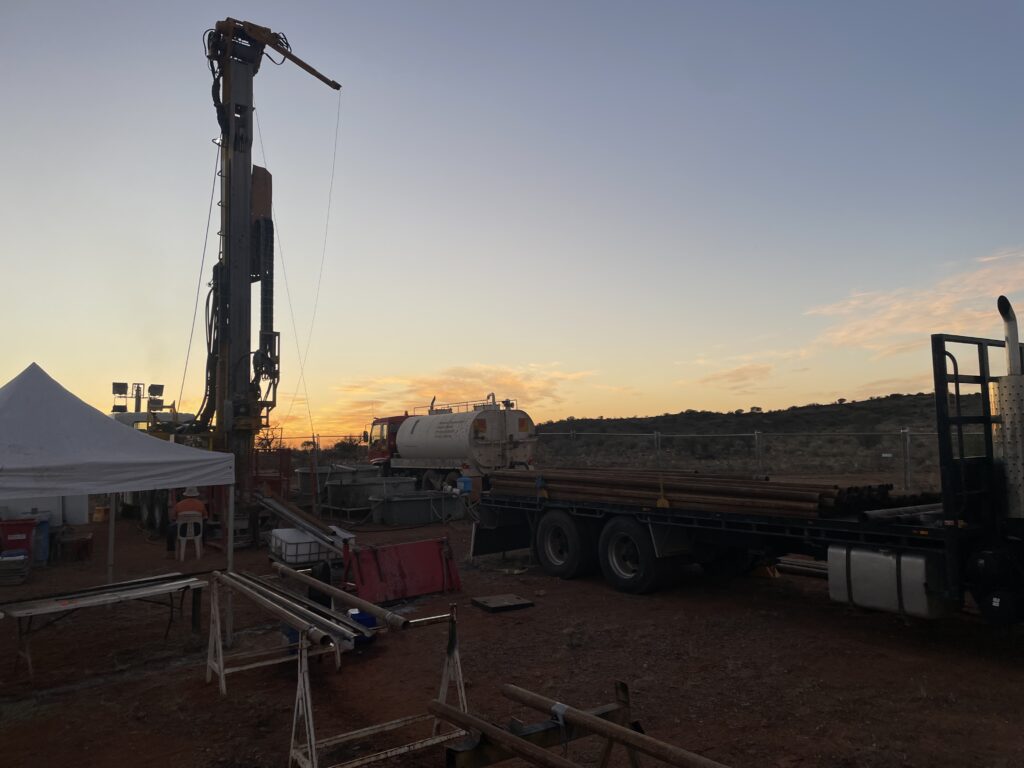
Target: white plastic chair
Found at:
x=190, y=528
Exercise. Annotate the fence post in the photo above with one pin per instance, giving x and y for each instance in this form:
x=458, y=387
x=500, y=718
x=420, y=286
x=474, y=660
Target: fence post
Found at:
x=757, y=452
x=905, y=434
x=657, y=440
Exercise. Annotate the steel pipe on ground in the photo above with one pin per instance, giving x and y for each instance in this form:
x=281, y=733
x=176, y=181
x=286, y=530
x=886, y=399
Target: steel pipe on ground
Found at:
x=641, y=742
x=390, y=618
x=800, y=567
x=513, y=744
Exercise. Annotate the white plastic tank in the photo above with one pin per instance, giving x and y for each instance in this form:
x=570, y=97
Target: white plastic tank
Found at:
x=484, y=439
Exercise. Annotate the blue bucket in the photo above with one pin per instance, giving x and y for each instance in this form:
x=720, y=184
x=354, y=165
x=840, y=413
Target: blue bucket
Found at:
x=367, y=620
x=291, y=636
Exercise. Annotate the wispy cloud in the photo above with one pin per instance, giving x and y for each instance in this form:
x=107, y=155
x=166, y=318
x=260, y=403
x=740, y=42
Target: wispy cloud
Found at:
x=741, y=378
x=896, y=321
x=761, y=355
x=1006, y=253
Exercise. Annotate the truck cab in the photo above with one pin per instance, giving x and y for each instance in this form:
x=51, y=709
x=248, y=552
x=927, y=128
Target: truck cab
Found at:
x=382, y=445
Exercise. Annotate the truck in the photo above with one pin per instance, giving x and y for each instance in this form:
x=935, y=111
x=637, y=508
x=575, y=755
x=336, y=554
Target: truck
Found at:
x=917, y=557
x=445, y=442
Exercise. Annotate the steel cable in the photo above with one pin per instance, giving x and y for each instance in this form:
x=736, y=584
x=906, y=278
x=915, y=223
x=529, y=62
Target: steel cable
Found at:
x=202, y=268
x=323, y=257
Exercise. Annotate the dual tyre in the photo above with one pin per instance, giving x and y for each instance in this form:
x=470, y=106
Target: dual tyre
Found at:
x=569, y=547
x=564, y=546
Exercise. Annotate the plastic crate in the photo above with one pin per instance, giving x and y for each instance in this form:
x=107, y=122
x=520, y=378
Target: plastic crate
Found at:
x=294, y=547
x=15, y=565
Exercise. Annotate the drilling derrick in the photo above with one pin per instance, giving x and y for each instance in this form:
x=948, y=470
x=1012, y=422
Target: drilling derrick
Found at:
x=241, y=383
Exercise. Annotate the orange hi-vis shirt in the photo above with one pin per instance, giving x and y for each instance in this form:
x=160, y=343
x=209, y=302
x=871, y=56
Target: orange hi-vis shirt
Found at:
x=189, y=504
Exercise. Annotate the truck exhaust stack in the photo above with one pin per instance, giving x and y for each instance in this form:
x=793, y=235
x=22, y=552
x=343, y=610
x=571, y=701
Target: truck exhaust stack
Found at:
x=1012, y=338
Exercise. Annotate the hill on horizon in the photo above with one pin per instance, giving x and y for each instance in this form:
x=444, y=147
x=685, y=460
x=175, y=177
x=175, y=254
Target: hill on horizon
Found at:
x=883, y=413
x=845, y=439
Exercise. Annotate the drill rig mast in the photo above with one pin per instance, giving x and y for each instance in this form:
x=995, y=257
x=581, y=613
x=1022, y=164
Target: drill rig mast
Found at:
x=241, y=384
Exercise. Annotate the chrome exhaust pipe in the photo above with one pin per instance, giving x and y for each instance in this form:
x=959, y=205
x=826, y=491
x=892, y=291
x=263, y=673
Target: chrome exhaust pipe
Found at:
x=1013, y=365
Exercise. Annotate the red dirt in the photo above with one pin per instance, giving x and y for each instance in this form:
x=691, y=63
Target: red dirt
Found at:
x=758, y=673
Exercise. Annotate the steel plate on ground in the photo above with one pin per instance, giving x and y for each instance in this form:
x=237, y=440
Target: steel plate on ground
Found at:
x=498, y=603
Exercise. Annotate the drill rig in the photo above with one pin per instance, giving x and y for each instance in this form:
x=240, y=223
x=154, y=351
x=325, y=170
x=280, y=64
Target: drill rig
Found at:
x=241, y=384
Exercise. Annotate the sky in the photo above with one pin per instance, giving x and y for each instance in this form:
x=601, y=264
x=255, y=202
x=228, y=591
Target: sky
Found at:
x=595, y=208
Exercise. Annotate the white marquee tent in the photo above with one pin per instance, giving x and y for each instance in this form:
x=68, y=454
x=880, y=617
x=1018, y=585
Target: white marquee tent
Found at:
x=54, y=444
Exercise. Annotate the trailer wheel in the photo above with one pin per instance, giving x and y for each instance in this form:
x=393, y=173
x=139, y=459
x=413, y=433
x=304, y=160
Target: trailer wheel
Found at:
x=565, y=547
x=627, y=556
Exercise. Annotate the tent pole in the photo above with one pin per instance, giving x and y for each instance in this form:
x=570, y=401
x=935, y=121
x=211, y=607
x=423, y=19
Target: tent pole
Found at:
x=111, y=515
x=230, y=618
x=231, y=528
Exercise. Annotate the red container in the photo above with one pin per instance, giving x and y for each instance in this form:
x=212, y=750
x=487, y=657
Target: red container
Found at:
x=17, y=534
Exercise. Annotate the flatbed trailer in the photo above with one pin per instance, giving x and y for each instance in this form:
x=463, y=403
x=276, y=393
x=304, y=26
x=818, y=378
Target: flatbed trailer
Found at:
x=794, y=535
x=917, y=560
x=639, y=547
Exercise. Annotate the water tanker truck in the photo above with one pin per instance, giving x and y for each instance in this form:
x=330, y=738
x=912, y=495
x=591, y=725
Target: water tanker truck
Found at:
x=470, y=439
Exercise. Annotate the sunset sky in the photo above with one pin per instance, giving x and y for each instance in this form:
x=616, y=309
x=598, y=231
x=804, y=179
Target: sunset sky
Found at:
x=597, y=208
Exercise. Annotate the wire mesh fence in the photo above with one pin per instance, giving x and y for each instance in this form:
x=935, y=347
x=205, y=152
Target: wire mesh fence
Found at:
x=906, y=459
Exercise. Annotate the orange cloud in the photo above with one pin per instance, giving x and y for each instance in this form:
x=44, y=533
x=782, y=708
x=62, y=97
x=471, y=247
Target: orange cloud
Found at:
x=357, y=403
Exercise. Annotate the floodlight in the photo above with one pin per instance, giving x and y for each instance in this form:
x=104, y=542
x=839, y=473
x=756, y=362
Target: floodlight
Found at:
x=119, y=409
x=120, y=387
x=156, y=403
x=156, y=390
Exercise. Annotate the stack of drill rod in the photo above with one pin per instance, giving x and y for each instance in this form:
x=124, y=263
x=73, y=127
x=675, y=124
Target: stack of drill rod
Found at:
x=322, y=624
x=672, y=489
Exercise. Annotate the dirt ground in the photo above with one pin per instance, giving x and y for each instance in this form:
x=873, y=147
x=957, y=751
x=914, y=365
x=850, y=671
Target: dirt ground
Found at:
x=761, y=672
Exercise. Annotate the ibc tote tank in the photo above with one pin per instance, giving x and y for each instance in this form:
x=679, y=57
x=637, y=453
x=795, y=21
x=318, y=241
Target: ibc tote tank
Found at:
x=485, y=439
